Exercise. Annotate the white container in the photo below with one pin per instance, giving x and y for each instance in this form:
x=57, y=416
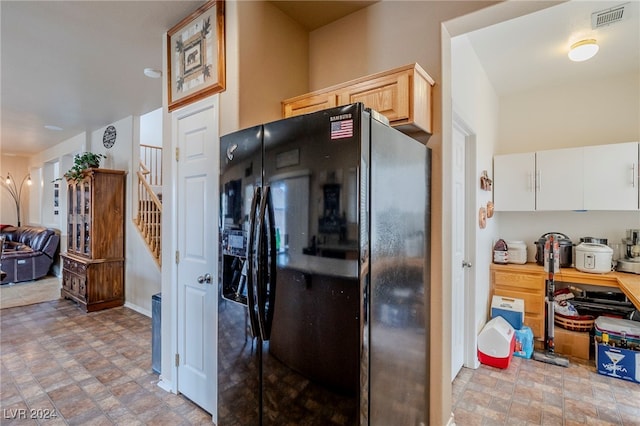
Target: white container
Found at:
x=517, y=252
x=496, y=343
x=594, y=258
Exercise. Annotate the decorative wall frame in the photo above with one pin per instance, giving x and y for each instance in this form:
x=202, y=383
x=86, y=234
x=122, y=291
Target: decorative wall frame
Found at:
x=196, y=56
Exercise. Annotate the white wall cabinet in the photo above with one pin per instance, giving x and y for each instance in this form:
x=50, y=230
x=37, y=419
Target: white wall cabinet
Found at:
x=611, y=177
x=602, y=177
x=559, y=181
x=514, y=182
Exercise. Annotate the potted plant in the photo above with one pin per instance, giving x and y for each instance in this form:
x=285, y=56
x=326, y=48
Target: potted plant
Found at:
x=81, y=162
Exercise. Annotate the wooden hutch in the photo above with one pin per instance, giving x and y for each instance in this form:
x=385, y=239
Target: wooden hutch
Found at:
x=93, y=265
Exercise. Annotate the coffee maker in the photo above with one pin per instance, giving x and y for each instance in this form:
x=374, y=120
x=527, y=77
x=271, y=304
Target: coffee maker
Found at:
x=631, y=260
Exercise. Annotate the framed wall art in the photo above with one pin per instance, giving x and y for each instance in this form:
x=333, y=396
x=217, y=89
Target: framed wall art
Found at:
x=195, y=55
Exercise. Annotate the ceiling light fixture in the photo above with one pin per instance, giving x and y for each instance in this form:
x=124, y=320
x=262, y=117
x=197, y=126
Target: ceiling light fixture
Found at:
x=152, y=73
x=583, y=50
x=52, y=127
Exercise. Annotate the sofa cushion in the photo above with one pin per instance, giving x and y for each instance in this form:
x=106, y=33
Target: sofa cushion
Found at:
x=11, y=233
x=35, y=237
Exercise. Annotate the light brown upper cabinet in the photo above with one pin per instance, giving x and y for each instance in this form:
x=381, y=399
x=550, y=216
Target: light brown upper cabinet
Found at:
x=403, y=95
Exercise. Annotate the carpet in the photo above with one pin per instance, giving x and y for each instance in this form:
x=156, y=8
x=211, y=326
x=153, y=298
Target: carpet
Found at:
x=30, y=292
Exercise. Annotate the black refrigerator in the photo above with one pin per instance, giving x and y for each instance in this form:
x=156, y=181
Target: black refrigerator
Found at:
x=324, y=273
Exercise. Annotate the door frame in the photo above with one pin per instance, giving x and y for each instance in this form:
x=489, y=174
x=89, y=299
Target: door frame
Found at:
x=470, y=358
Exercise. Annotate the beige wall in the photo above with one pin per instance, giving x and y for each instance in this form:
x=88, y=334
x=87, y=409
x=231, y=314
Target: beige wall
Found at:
x=570, y=115
x=18, y=167
x=273, y=61
x=385, y=35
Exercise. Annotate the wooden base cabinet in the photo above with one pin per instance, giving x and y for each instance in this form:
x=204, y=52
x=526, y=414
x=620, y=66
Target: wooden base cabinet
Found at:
x=93, y=284
x=93, y=265
x=520, y=283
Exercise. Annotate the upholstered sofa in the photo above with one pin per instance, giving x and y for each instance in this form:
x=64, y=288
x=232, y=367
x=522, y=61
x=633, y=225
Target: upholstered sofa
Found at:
x=28, y=252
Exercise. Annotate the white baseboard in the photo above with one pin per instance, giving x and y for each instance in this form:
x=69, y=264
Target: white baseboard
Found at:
x=451, y=421
x=138, y=309
x=165, y=385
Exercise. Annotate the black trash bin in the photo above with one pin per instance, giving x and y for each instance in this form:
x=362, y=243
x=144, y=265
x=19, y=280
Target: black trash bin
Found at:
x=156, y=352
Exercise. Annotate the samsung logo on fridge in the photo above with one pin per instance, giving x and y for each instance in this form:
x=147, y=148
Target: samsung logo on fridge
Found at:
x=341, y=126
x=340, y=117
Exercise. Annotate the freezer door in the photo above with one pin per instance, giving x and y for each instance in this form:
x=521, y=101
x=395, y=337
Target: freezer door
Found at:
x=311, y=363
x=399, y=279
x=238, y=360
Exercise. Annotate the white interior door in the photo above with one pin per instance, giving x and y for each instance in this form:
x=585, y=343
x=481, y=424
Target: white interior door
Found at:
x=459, y=265
x=197, y=273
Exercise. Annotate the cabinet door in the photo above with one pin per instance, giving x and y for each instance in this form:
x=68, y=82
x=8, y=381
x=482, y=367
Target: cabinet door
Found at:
x=513, y=182
x=309, y=104
x=388, y=95
x=611, y=177
x=559, y=179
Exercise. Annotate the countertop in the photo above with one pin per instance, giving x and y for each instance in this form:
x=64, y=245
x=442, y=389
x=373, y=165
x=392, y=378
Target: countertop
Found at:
x=628, y=283
x=319, y=265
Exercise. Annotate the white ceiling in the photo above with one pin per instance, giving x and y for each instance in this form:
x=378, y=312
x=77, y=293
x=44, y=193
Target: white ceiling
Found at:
x=78, y=64
x=531, y=51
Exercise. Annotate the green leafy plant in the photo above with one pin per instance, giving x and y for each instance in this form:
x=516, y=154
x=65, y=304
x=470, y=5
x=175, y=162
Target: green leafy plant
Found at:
x=81, y=162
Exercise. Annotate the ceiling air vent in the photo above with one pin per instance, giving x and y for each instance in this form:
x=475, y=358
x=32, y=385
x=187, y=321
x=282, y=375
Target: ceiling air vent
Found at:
x=609, y=16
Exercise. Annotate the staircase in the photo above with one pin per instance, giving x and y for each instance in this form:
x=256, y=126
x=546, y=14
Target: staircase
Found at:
x=149, y=217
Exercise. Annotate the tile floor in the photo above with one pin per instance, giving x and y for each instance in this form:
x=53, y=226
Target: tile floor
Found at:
x=84, y=369
x=96, y=369
x=534, y=393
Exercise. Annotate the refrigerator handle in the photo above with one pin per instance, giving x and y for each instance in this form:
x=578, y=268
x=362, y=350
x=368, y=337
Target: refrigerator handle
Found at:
x=267, y=263
x=251, y=282
x=273, y=254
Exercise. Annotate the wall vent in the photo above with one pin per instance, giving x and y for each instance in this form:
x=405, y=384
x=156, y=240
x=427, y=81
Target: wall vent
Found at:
x=602, y=18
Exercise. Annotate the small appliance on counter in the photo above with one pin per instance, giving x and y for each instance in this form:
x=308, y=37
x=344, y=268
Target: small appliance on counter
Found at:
x=594, y=240
x=517, y=251
x=631, y=261
x=593, y=258
x=565, y=247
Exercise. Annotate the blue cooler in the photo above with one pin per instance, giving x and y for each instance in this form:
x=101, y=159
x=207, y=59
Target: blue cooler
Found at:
x=508, y=308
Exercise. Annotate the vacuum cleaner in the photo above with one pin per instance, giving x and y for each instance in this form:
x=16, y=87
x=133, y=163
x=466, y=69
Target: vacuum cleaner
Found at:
x=551, y=264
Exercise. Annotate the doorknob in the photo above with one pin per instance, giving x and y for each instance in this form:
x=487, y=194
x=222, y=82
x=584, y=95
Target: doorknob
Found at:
x=466, y=264
x=206, y=278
